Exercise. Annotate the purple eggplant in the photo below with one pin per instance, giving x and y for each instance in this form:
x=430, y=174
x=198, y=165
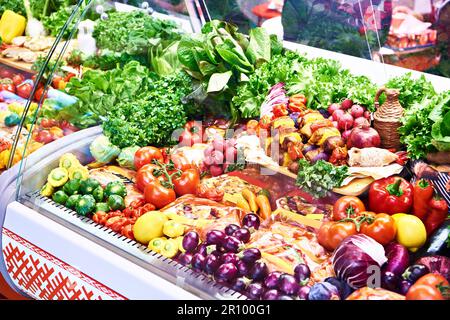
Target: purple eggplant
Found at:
x=272, y=294
x=243, y=268
x=232, y=244
x=250, y=255
x=229, y=257
x=288, y=284
x=204, y=249
x=272, y=280
x=251, y=220
x=302, y=273
x=323, y=291
x=212, y=263
x=254, y=291
x=231, y=228
x=240, y=284
x=226, y=272
x=303, y=292
x=216, y=237
x=390, y=281
x=414, y=272
x=258, y=271
x=404, y=286
x=398, y=258
x=242, y=234
x=190, y=241
x=185, y=258
x=344, y=289
x=198, y=262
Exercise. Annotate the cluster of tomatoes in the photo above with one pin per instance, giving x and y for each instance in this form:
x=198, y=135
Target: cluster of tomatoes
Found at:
x=50, y=130
x=122, y=221
x=349, y=218
x=17, y=84
x=163, y=176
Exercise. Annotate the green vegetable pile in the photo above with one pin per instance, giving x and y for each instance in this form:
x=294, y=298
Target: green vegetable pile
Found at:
x=133, y=32
x=411, y=90
x=55, y=21
x=426, y=126
x=101, y=91
x=322, y=81
x=151, y=119
x=320, y=178
x=221, y=58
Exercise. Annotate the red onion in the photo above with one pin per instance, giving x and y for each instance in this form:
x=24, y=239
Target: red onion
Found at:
x=357, y=111
x=346, y=104
x=363, y=137
x=338, y=114
x=346, y=134
x=361, y=121
x=333, y=107
x=345, y=122
x=354, y=258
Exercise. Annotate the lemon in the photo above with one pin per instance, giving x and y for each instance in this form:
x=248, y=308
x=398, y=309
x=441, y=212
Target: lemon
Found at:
x=411, y=231
x=149, y=226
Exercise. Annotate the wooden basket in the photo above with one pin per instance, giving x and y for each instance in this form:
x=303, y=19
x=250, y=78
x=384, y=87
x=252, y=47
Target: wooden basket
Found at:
x=387, y=118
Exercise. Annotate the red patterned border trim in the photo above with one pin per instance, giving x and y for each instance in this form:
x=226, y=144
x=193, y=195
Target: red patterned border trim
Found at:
x=58, y=262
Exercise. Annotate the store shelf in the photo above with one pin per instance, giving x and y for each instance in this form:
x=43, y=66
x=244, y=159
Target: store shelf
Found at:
x=18, y=65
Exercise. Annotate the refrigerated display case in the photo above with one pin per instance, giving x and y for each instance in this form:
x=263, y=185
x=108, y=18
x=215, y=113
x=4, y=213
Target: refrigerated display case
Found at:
x=50, y=252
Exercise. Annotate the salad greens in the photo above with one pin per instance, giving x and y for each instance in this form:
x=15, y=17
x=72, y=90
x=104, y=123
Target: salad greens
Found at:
x=221, y=58
x=152, y=118
x=320, y=178
x=411, y=90
x=322, y=81
x=134, y=32
x=426, y=126
x=100, y=91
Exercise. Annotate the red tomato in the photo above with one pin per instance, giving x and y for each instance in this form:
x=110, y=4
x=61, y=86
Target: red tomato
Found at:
x=24, y=90
x=331, y=234
x=347, y=206
x=48, y=123
x=39, y=93
x=181, y=162
x=187, y=183
x=145, y=175
x=44, y=137
x=146, y=155
x=6, y=73
x=7, y=85
x=431, y=286
x=158, y=195
x=18, y=78
x=382, y=228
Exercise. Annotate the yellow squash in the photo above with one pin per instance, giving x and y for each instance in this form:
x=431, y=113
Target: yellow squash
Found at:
x=11, y=25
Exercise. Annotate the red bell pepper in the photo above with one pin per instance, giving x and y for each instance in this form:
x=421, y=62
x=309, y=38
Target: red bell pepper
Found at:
x=423, y=192
x=279, y=110
x=391, y=195
x=438, y=210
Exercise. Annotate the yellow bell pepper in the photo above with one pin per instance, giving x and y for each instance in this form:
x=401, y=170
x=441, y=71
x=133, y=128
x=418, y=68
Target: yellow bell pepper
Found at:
x=411, y=231
x=169, y=248
x=11, y=25
x=173, y=229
